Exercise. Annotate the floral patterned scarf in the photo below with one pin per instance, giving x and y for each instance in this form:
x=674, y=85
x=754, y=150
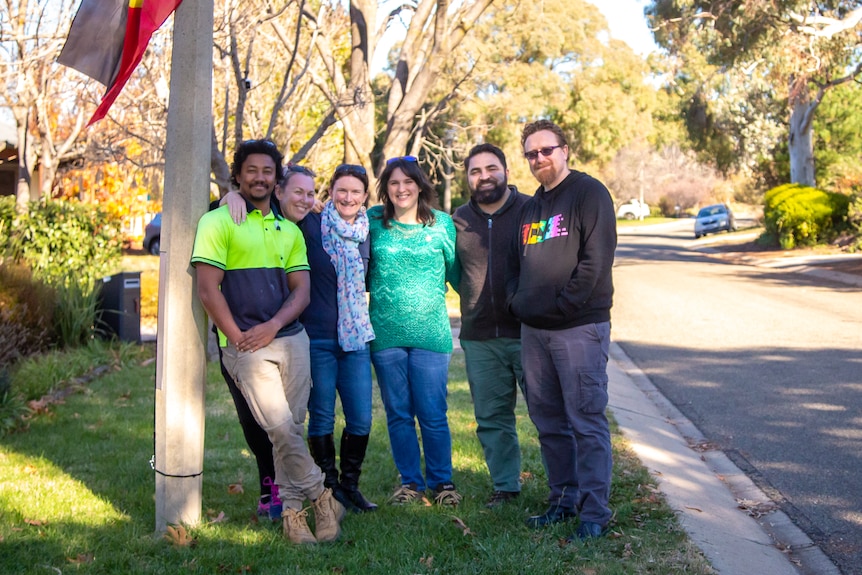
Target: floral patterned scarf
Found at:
x=341, y=241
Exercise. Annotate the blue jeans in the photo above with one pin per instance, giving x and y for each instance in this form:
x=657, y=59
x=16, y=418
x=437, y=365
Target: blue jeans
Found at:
x=566, y=380
x=348, y=373
x=413, y=387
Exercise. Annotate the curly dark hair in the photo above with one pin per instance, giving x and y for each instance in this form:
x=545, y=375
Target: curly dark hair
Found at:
x=427, y=193
x=249, y=147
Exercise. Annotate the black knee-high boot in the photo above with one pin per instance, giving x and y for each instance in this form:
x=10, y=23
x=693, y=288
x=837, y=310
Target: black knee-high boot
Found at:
x=322, y=449
x=352, y=455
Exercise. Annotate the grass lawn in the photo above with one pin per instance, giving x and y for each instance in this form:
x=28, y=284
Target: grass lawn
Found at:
x=76, y=496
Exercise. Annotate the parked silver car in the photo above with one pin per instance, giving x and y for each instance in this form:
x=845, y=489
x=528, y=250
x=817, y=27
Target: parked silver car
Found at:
x=714, y=219
x=153, y=235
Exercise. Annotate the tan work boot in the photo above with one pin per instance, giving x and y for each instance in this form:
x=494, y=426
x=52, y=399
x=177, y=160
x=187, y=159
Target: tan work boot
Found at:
x=328, y=513
x=296, y=527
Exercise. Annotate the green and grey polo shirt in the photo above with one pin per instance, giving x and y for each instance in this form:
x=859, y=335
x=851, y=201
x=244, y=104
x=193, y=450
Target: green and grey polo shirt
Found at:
x=256, y=258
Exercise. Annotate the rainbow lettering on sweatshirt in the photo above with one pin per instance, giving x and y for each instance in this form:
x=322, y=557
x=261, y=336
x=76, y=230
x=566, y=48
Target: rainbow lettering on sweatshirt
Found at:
x=543, y=230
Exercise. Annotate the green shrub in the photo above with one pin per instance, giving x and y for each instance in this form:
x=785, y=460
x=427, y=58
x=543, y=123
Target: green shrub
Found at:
x=854, y=220
x=76, y=314
x=64, y=242
x=796, y=215
x=67, y=246
x=7, y=215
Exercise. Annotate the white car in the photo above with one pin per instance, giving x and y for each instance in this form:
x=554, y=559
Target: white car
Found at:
x=632, y=210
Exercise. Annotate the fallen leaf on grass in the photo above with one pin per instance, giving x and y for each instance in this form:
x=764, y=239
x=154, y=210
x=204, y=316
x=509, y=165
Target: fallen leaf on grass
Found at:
x=30, y=469
x=179, y=537
x=81, y=558
x=235, y=488
x=427, y=561
x=35, y=522
x=147, y=362
x=464, y=529
x=216, y=517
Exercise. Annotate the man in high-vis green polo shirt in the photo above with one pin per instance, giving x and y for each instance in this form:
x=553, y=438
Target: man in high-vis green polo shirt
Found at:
x=253, y=281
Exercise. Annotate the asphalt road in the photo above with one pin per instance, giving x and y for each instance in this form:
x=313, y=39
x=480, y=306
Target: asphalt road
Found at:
x=767, y=364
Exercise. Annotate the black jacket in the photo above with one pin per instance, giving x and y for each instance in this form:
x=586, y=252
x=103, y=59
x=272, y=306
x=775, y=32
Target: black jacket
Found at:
x=560, y=275
x=482, y=245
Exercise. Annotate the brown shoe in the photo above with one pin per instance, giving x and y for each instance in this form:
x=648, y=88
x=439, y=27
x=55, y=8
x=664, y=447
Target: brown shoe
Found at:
x=328, y=513
x=296, y=527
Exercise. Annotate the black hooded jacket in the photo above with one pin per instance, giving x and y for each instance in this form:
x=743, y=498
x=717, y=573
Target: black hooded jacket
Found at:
x=482, y=245
x=560, y=266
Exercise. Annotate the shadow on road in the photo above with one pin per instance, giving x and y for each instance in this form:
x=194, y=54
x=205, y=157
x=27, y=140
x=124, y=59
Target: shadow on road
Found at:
x=783, y=423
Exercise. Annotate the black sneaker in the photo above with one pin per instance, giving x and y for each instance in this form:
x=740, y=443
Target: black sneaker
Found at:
x=406, y=494
x=446, y=494
x=587, y=530
x=554, y=514
x=500, y=497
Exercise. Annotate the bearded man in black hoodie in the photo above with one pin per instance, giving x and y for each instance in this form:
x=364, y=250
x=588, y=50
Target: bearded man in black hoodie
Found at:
x=559, y=286
x=487, y=225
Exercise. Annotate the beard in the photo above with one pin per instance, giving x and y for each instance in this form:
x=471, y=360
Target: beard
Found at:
x=490, y=195
x=546, y=176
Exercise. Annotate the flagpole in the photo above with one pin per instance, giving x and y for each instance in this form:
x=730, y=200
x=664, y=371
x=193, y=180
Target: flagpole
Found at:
x=182, y=333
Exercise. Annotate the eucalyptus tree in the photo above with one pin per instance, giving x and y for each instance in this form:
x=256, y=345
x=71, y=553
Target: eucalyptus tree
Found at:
x=552, y=60
x=805, y=48
x=433, y=31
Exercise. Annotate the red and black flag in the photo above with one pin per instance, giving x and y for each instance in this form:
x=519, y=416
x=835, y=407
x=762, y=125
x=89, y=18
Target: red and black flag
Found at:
x=107, y=41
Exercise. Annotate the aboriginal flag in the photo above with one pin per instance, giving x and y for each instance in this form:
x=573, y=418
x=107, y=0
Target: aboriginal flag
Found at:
x=107, y=41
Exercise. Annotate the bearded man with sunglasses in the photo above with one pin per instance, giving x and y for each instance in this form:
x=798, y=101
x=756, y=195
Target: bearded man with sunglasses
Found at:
x=559, y=286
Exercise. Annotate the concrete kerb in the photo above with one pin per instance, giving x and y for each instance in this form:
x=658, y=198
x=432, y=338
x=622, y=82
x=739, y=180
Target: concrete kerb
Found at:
x=707, y=491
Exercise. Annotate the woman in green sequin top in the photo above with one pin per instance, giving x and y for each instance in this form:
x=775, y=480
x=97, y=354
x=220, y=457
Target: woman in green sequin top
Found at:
x=412, y=251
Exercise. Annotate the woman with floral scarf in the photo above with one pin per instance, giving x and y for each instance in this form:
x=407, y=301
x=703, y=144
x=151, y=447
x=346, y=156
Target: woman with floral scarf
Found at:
x=339, y=328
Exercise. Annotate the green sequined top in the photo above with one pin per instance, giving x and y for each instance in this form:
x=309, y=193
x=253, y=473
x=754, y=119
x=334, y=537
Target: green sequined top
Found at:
x=407, y=282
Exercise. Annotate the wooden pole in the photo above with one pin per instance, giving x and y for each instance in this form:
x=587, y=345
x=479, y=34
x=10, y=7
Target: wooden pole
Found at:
x=182, y=334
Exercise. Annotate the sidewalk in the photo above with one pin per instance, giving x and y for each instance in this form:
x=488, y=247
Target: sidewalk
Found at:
x=725, y=514
x=729, y=518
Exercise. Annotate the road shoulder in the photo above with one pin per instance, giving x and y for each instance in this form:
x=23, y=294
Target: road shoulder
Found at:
x=704, y=487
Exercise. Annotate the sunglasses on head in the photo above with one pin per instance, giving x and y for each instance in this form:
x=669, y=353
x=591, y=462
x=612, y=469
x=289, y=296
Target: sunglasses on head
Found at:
x=293, y=168
x=533, y=154
x=402, y=158
x=350, y=170
x=264, y=141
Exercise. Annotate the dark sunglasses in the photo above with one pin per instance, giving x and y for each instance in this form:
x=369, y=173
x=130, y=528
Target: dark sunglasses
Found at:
x=533, y=154
x=402, y=158
x=350, y=170
x=293, y=168
x=264, y=141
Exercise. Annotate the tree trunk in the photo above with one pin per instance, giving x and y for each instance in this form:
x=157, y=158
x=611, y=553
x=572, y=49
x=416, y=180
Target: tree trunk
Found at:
x=800, y=144
x=26, y=159
x=359, y=116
